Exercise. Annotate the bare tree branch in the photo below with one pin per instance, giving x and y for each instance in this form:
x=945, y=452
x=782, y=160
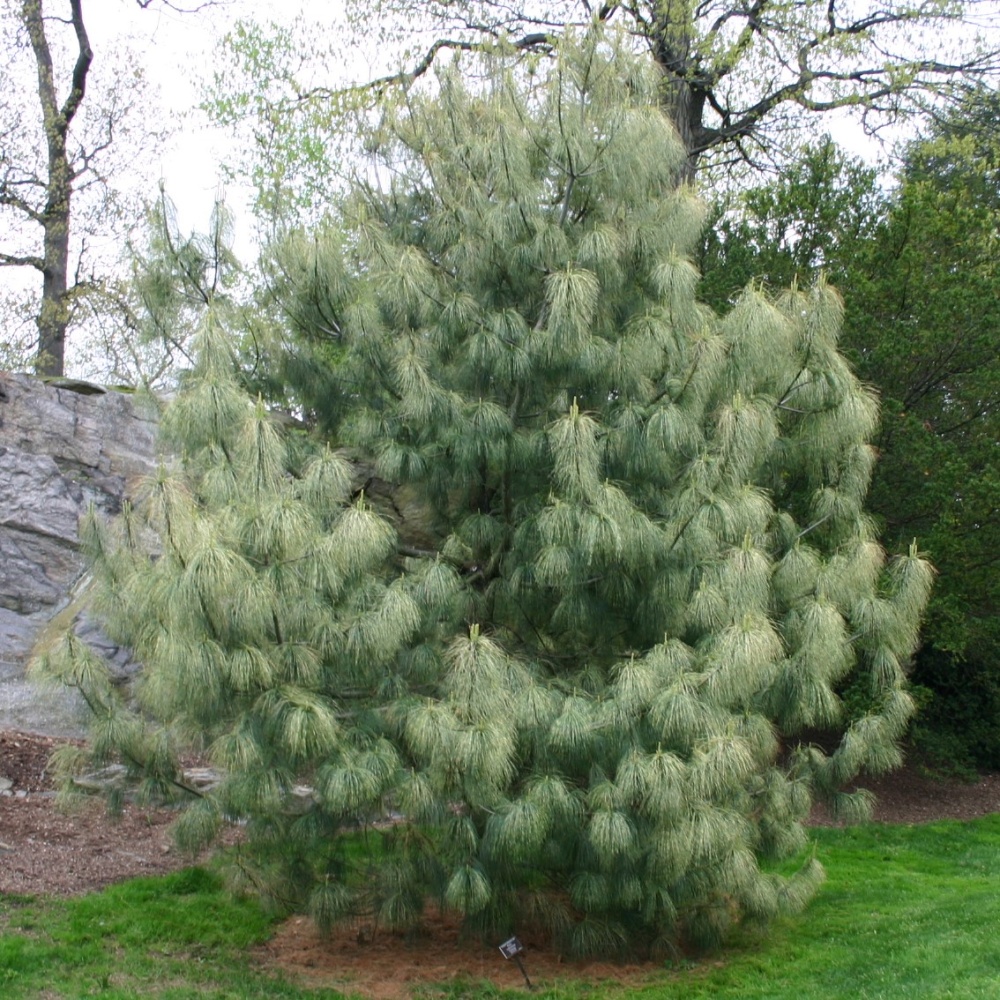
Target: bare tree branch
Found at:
x=179, y=8
x=84, y=58
x=12, y=260
x=15, y=201
x=698, y=48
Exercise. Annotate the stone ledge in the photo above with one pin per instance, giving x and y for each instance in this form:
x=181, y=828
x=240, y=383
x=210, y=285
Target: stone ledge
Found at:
x=64, y=446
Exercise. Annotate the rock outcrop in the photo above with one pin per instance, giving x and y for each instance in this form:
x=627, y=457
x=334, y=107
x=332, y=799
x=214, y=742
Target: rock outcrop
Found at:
x=63, y=448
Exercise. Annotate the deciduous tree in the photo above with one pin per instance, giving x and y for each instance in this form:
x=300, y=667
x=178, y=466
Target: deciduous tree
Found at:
x=737, y=79
x=63, y=138
x=42, y=196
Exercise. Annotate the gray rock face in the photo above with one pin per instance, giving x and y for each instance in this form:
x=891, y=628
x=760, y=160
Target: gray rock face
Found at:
x=64, y=447
x=61, y=450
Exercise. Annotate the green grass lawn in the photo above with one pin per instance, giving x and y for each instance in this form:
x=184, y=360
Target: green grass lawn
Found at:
x=908, y=912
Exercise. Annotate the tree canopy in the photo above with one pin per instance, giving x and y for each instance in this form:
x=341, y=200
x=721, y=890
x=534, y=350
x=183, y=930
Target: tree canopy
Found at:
x=728, y=68
x=585, y=696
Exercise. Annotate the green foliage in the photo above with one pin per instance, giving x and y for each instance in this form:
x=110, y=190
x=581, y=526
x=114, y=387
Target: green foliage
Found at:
x=142, y=320
x=957, y=730
x=176, y=277
x=917, y=265
x=815, y=217
x=653, y=569
x=262, y=624
x=290, y=169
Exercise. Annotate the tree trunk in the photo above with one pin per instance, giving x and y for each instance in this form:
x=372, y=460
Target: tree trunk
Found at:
x=678, y=103
x=682, y=101
x=54, y=314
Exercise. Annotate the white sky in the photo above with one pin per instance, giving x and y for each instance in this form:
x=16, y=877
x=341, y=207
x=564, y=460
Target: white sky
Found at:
x=176, y=51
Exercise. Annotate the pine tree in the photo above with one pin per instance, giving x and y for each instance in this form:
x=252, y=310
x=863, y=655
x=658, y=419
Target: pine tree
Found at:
x=650, y=521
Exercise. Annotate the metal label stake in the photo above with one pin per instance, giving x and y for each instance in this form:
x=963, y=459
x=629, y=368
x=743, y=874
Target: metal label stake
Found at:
x=512, y=949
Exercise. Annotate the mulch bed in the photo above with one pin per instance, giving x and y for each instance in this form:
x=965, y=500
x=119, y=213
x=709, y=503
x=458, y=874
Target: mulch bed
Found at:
x=45, y=850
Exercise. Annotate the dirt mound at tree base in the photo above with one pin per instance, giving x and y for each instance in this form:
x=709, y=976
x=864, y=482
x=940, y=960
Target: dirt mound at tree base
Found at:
x=393, y=966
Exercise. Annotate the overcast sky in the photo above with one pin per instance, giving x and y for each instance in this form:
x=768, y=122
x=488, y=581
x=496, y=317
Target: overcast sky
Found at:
x=177, y=52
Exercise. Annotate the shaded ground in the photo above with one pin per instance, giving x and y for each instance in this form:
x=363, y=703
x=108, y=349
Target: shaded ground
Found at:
x=44, y=851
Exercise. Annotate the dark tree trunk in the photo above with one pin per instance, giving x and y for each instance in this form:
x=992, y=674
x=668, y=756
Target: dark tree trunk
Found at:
x=53, y=317
x=54, y=314
x=682, y=100
x=678, y=105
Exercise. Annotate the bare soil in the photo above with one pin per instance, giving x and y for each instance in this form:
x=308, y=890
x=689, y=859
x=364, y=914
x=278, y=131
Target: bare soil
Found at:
x=46, y=851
